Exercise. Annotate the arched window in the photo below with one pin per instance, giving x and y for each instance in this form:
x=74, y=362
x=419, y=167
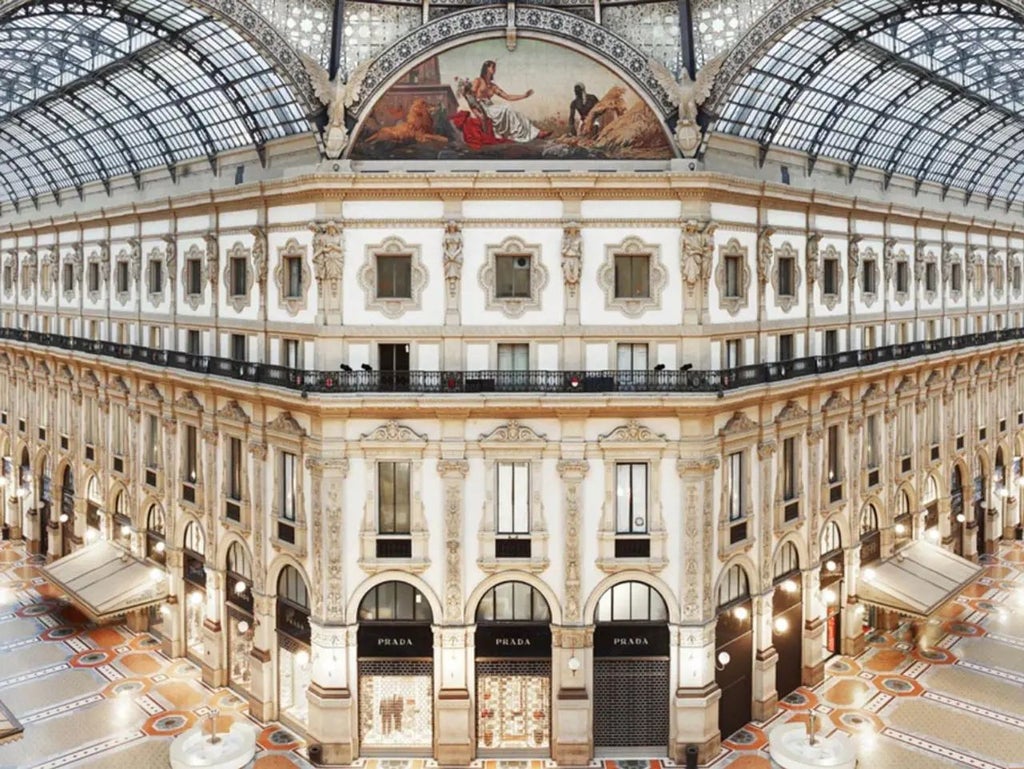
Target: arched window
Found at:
x=293, y=604
x=956, y=480
x=195, y=542
x=631, y=602
x=734, y=587
x=931, y=491
x=513, y=602
x=92, y=491
x=831, y=538
x=156, y=532
x=868, y=521
x=239, y=587
x=787, y=562
x=195, y=555
x=395, y=602
x=903, y=502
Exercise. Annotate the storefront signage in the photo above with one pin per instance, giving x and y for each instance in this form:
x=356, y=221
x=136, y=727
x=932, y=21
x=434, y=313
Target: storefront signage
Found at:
x=513, y=640
x=386, y=641
x=631, y=640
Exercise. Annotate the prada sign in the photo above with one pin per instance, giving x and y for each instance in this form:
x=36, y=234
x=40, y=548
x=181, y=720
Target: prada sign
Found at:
x=513, y=640
x=387, y=641
x=631, y=640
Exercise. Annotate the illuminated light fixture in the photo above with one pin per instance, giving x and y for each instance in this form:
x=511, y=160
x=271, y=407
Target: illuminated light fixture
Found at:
x=91, y=535
x=869, y=575
x=125, y=531
x=156, y=574
x=243, y=626
x=789, y=586
x=858, y=610
x=960, y=518
x=165, y=610
x=828, y=596
x=63, y=518
x=722, y=660
x=901, y=529
x=159, y=547
x=574, y=382
x=830, y=565
x=302, y=658
x=239, y=587
x=574, y=663
x=780, y=625
x=740, y=613
x=195, y=599
x=932, y=535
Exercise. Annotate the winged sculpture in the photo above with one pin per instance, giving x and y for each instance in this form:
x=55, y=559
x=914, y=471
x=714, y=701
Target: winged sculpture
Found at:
x=337, y=95
x=687, y=94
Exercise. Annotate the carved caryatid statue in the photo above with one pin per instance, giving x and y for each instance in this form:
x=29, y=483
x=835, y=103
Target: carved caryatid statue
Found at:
x=452, y=246
x=337, y=95
x=687, y=94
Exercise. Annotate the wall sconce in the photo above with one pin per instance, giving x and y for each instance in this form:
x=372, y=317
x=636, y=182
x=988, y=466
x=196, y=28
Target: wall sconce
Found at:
x=156, y=574
x=63, y=518
x=960, y=518
x=780, y=625
x=195, y=599
x=869, y=575
x=302, y=658
x=932, y=535
x=165, y=610
x=574, y=663
x=91, y=535
x=901, y=529
x=722, y=660
x=125, y=531
x=239, y=587
x=830, y=565
x=828, y=596
x=160, y=547
x=243, y=626
x=788, y=586
x=740, y=613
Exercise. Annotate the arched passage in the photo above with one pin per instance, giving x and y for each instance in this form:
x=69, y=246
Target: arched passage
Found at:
x=67, y=511
x=787, y=619
x=294, y=672
x=831, y=582
x=395, y=650
x=631, y=670
x=870, y=536
x=956, y=509
x=903, y=520
x=513, y=671
x=238, y=613
x=194, y=574
x=734, y=651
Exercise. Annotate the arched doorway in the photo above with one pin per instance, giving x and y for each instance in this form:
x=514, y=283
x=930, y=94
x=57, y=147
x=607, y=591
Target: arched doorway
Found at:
x=1001, y=492
x=44, y=506
x=903, y=522
x=734, y=651
x=931, y=509
x=513, y=671
x=67, y=512
x=26, y=500
x=194, y=573
x=395, y=650
x=121, y=525
x=93, y=503
x=870, y=538
x=956, y=510
x=294, y=672
x=631, y=671
x=156, y=533
x=830, y=580
x=238, y=612
x=981, y=496
x=787, y=620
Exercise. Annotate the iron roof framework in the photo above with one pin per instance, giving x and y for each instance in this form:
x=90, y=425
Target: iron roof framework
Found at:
x=927, y=90
x=97, y=89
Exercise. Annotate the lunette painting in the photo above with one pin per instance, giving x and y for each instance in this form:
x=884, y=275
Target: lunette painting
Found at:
x=540, y=101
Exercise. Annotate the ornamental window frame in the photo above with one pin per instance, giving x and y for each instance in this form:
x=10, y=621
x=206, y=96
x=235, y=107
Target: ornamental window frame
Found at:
x=238, y=254
x=657, y=277
x=233, y=425
x=901, y=264
x=155, y=260
x=487, y=277
x=786, y=300
x=194, y=260
x=869, y=286
x=831, y=259
x=733, y=249
x=284, y=436
x=292, y=303
x=46, y=274
x=369, y=274
x=94, y=277
x=931, y=277
x=787, y=495
x=122, y=289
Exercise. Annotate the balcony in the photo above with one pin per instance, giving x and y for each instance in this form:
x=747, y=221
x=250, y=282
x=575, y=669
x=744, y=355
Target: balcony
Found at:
x=441, y=382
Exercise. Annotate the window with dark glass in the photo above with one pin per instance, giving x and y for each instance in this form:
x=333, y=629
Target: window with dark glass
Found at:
x=787, y=273
x=233, y=490
x=289, y=486
x=835, y=459
x=931, y=277
x=239, y=276
x=122, y=277
x=293, y=277
x=191, y=454
x=956, y=277
x=736, y=481
x=156, y=276
x=632, y=276
x=869, y=276
x=786, y=347
x=902, y=277
x=733, y=276
x=193, y=344
x=831, y=342
x=94, y=276
x=631, y=498
x=830, y=277
x=394, y=276
x=789, y=468
x=68, y=277
x=194, y=276
x=238, y=345
x=512, y=276
x=393, y=497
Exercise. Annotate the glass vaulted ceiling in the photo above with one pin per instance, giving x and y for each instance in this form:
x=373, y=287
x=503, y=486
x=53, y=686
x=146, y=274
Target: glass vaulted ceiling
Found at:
x=929, y=90
x=94, y=90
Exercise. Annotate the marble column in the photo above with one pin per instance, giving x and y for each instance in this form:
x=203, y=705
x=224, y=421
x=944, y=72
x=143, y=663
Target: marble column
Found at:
x=813, y=672
x=332, y=720
x=214, y=663
x=695, y=704
x=262, y=690
x=764, y=692
x=853, y=634
x=572, y=717
x=174, y=617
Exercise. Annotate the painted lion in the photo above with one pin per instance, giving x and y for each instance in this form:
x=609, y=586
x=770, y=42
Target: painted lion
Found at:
x=417, y=128
x=611, y=106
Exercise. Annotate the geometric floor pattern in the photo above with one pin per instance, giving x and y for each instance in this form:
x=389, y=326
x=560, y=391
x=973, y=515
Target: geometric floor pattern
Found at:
x=957, y=700
x=105, y=698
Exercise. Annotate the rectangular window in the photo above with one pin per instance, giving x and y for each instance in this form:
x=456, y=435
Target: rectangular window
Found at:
x=156, y=276
x=789, y=469
x=869, y=276
x=94, y=276
x=512, y=279
x=233, y=487
x=91, y=431
x=902, y=277
x=513, y=496
x=868, y=336
x=632, y=276
x=68, y=277
x=831, y=342
x=289, y=488
x=931, y=277
x=786, y=347
x=193, y=342
x=733, y=353
x=239, y=276
x=293, y=277
x=956, y=277
x=513, y=357
x=394, y=277
x=1016, y=277
x=8, y=277
x=872, y=448
x=156, y=337
x=830, y=277
x=835, y=457
x=292, y=353
x=152, y=448
x=191, y=458
x=238, y=345
x=735, y=481
x=631, y=357
x=631, y=498
x=787, y=271
x=733, y=276
x=118, y=429
x=122, y=277
x=194, y=277
x=393, y=497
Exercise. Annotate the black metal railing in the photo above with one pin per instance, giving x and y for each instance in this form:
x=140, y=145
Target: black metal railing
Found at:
x=666, y=381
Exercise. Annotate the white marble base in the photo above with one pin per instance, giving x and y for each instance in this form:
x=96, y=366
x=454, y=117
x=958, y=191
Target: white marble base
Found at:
x=790, y=748
x=233, y=750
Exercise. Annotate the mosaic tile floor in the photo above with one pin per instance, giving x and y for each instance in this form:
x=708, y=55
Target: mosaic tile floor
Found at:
x=956, y=701
x=107, y=699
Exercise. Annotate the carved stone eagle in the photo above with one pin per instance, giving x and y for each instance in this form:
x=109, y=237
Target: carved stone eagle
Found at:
x=337, y=95
x=687, y=95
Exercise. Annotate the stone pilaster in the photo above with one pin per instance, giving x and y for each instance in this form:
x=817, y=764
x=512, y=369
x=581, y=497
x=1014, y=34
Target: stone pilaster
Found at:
x=454, y=716
x=174, y=617
x=332, y=719
x=695, y=704
x=765, y=694
x=853, y=633
x=214, y=662
x=572, y=659
x=813, y=671
x=262, y=693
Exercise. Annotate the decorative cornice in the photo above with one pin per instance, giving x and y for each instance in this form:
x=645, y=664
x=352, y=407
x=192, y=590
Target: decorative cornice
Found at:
x=395, y=433
x=512, y=432
x=632, y=432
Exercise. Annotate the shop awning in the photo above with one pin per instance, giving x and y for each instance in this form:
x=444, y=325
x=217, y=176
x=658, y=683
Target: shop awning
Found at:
x=105, y=581
x=10, y=728
x=917, y=580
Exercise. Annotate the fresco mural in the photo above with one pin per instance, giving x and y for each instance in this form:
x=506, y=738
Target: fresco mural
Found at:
x=479, y=101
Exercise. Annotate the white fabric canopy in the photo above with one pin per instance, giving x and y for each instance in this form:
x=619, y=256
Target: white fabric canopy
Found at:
x=10, y=728
x=917, y=580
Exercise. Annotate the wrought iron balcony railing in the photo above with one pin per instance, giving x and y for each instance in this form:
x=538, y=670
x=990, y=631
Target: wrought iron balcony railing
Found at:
x=654, y=381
